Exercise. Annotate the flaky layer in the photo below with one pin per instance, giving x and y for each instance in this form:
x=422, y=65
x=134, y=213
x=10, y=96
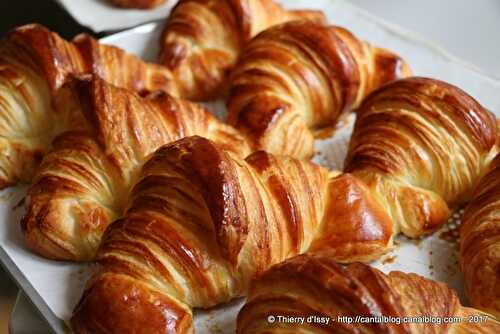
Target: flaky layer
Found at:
x=299, y=77
x=34, y=65
x=421, y=145
x=480, y=243
x=82, y=185
x=203, y=39
x=202, y=223
x=311, y=285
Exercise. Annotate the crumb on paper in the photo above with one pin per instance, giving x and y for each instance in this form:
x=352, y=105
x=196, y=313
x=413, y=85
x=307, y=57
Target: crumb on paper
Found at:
x=389, y=259
x=329, y=131
x=449, y=235
x=325, y=133
x=451, y=270
x=417, y=242
x=214, y=328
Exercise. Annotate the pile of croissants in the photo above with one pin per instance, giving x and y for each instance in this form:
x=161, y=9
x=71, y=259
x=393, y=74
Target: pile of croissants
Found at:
x=181, y=210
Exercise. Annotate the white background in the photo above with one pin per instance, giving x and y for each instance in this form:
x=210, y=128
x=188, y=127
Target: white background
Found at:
x=468, y=29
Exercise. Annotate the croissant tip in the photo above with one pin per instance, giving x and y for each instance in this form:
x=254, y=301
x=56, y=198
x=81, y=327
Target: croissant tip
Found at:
x=119, y=304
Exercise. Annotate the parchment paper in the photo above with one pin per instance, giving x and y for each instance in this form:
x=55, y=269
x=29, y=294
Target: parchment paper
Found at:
x=60, y=285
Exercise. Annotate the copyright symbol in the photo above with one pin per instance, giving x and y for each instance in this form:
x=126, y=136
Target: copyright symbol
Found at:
x=271, y=319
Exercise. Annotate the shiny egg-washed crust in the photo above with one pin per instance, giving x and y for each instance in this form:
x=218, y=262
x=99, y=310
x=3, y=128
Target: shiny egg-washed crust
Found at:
x=139, y=4
x=315, y=285
x=480, y=243
x=202, y=39
x=201, y=223
x=421, y=146
x=82, y=184
x=299, y=77
x=34, y=64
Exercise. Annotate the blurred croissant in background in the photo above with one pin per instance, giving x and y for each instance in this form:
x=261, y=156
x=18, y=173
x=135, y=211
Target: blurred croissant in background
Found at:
x=202, y=39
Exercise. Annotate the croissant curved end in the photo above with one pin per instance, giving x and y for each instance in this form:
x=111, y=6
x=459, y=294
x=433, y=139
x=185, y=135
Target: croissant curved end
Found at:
x=118, y=304
x=355, y=226
x=58, y=229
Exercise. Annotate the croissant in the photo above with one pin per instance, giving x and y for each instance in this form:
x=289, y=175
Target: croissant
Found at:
x=82, y=184
x=34, y=64
x=139, y=4
x=300, y=77
x=203, y=39
x=480, y=243
x=201, y=223
x=421, y=146
x=346, y=299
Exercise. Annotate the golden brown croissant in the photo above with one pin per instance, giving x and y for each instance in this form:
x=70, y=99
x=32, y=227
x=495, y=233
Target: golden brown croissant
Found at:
x=201, y=223
x=139, y=4
x=82, y=184
x=298, y=77
x=421, y=146
x=349, y=297
x=203, y=38
x=34, y=65
x=480, y=243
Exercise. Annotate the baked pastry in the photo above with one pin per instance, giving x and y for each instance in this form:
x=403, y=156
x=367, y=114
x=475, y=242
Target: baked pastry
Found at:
x=138, y=4
x=201, y=223
x=421, y=146
x=203, y=39
x=34, y=64
x=349, y=297
x=299, y=77
x=480, y=243
x=82, y=184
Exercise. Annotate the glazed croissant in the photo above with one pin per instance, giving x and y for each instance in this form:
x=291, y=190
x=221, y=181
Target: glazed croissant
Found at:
x=299, y=77
x=34, y=65
x=139, y=4
x=480, y=243
x=314, y=285
x=82, y=184
x=421, y=146
x=203, y=39
x=201, y=223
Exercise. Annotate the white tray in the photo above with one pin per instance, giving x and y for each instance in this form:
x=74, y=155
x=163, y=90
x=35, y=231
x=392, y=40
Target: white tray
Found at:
x=54, y=288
